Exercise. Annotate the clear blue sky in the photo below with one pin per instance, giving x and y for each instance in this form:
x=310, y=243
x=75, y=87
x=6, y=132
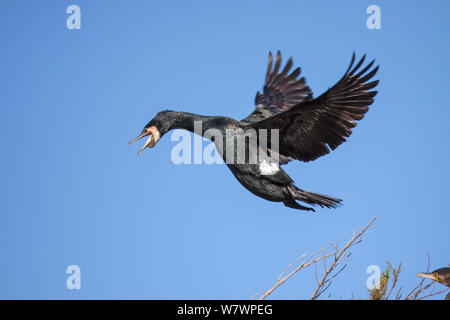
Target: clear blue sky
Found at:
x=73, y=192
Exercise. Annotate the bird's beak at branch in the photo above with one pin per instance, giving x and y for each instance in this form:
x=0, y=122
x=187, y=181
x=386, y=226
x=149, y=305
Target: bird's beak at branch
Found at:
x=151, y=141
x=431, y=276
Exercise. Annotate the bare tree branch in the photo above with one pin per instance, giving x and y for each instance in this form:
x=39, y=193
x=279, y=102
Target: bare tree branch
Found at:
x=396, y=273
x=412, y=295
x=339, y=258
x=305, y=261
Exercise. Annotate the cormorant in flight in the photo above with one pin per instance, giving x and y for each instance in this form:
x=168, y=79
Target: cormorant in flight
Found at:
x=307, y=129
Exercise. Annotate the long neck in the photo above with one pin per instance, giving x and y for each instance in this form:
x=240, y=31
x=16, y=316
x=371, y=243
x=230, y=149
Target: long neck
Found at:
x=195, y=122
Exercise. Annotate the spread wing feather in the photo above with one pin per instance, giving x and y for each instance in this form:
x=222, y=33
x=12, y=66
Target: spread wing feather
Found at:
x=281, y=91
x=309, y=128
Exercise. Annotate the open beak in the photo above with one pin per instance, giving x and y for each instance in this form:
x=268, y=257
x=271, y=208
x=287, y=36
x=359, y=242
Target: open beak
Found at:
x=427, y=276
x=154, y=134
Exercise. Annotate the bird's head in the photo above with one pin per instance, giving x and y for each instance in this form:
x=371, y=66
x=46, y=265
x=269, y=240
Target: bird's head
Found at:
x=441, y=275
x=156, y=128
x=432, y=275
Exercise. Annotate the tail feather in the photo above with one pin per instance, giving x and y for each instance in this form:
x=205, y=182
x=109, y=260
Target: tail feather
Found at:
x=314, y=198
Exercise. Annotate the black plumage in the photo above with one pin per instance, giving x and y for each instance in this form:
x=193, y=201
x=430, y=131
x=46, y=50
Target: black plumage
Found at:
x=307, y=128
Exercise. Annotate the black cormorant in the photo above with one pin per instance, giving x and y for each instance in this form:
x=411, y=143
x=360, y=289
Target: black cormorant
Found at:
x=307, y=129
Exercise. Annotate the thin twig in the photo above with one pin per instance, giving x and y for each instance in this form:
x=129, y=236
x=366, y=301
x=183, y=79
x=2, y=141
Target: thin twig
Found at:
x=338, y=259
x=396, y=275
x=432, y=293
x=305, y=261
x=412, y=295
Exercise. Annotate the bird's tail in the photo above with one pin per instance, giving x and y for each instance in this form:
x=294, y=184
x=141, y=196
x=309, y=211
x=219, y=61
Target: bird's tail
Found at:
x=314, y=198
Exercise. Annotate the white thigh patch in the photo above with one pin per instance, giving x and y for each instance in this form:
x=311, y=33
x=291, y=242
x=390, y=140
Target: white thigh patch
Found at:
x=267, y=168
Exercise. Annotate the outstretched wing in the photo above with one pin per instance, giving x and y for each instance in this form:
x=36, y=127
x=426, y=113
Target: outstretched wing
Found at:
x=310, y=128
x=281, y=91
